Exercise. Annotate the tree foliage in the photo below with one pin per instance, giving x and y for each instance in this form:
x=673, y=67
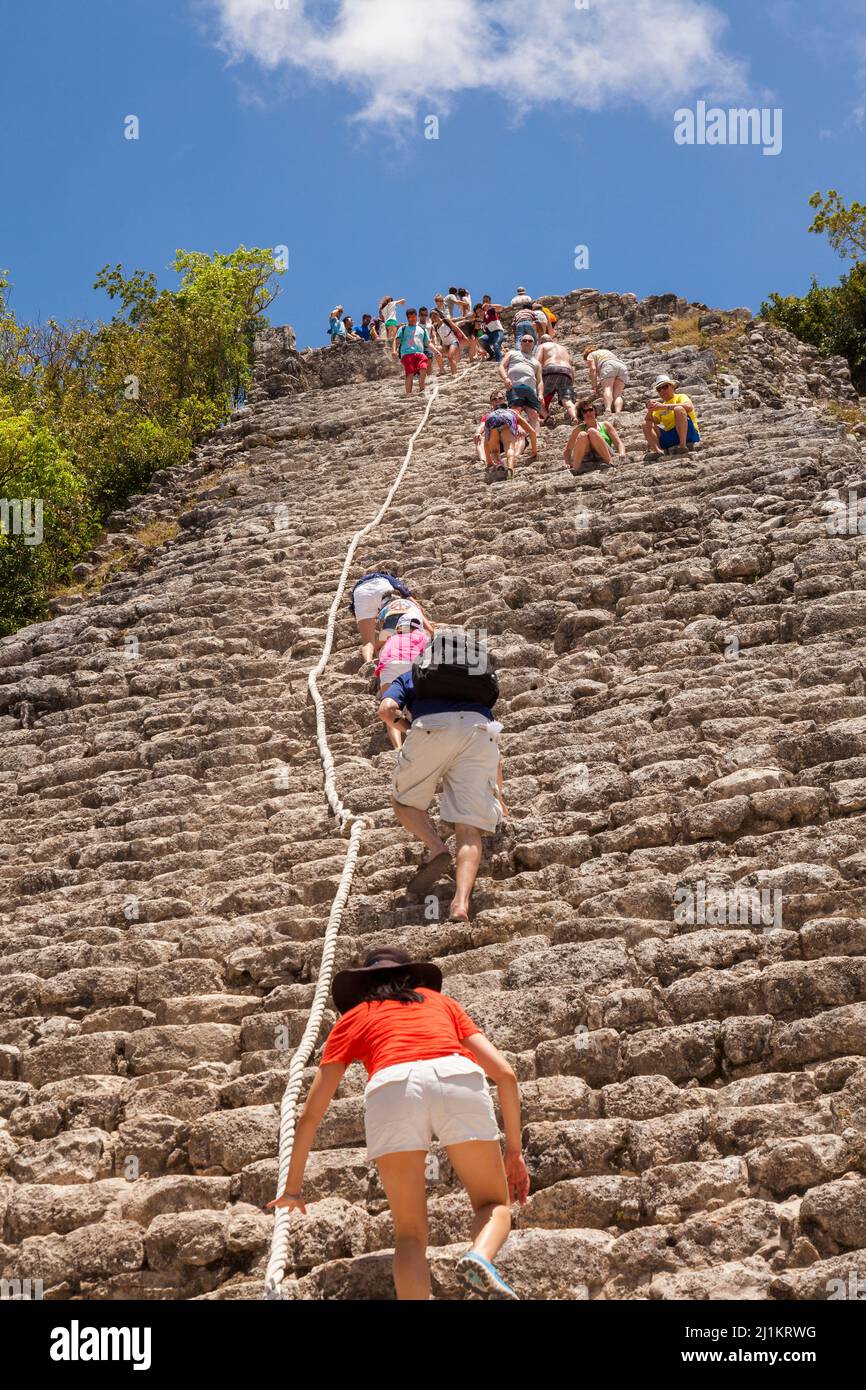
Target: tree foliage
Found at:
x=89, y=412
x=832, y=317
x=845, y=226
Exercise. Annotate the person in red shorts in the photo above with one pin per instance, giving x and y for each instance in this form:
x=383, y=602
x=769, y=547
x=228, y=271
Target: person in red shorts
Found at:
x=411, y=347
x=426, y=1061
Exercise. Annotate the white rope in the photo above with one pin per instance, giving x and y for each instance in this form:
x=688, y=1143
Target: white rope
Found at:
x=356, y=825
x=280, y=1239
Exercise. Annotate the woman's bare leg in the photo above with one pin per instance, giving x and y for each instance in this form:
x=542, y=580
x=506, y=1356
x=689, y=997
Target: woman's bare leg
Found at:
x=596, y=439
x=618, y=389
x=492, y=447
x=478, y=1164
x=578, y=453
x=607, y=393
x=367, y=629
x=405, y=1187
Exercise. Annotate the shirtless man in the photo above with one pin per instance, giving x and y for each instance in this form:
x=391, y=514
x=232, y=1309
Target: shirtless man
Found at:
x=558, y=377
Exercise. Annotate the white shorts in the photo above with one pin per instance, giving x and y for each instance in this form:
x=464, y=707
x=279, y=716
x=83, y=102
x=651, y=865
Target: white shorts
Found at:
x=368, y=597
x=460, y=750
x=391, y=671
x=610, y=369
x=406, y=1105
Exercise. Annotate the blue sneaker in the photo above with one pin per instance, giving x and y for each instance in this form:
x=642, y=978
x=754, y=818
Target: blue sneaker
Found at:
x=482, y=1277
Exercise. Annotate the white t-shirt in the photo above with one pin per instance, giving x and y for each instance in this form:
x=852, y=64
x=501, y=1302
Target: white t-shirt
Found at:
x=446, y=334
x=390, y=310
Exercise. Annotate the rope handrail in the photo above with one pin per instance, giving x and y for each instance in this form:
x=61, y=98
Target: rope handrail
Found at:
x=356, y=826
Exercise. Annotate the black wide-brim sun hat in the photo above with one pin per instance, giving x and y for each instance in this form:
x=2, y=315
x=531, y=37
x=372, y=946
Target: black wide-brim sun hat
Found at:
x=349, y=986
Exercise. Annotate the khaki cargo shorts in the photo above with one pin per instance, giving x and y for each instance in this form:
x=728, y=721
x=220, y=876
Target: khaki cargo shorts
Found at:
x=459, y=751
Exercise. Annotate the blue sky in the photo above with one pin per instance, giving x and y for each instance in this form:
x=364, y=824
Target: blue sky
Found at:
x=285, y=122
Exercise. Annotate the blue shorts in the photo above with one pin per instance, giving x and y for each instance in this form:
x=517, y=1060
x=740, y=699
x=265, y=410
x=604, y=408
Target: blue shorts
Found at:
x=523, y=396
x=669, y=439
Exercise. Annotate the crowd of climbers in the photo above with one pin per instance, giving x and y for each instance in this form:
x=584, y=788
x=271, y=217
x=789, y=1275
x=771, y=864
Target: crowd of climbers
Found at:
x=427, y=1062
x=537, y=376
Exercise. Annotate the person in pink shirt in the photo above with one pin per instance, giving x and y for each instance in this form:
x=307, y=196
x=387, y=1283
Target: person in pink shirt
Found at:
x=396, y=656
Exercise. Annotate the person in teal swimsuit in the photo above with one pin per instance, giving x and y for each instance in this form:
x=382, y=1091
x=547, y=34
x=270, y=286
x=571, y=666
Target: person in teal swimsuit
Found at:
x=591, y=440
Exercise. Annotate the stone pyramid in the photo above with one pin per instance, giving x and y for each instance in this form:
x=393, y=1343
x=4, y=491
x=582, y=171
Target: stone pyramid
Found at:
x=669, y=936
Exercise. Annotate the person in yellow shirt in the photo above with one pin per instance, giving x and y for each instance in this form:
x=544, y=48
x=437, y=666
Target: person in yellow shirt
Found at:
x=670, y=424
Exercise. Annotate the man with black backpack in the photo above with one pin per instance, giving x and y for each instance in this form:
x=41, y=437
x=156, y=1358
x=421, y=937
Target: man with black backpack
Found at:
x=444, y=705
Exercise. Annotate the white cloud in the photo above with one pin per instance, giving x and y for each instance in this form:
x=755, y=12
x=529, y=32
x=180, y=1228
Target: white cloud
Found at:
x=396, y=55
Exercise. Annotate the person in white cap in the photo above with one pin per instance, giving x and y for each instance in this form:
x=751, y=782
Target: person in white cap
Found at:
x=670, y=425
x=521, y=300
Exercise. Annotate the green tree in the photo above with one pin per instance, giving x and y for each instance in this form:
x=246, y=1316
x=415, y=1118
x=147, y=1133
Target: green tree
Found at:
x=832, y=317
x=97, y=409
x=43, y=513
x=845, y=226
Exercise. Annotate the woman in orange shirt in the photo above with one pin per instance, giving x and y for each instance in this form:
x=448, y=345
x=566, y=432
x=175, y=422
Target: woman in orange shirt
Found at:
x=426, y=1061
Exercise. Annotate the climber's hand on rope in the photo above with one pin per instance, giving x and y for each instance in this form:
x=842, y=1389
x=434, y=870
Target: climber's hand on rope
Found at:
x=292, y=1203
x=517, y=1176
